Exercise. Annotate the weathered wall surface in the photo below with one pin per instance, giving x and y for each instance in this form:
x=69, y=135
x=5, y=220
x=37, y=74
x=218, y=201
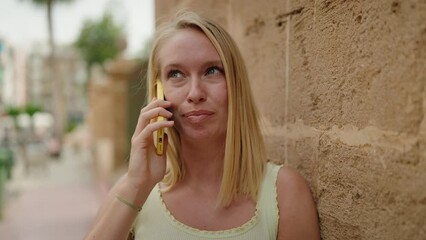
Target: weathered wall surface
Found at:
x=341, y=86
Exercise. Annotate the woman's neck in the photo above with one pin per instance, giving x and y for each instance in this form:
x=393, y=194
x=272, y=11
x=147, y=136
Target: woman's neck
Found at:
x=203, y=163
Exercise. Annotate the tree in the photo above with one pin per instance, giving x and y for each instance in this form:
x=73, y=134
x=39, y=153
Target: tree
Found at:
x=57, y=86
x=32, y=109
x=22, y=138
x=14, y=113
x=49, y=12
x=99, y=40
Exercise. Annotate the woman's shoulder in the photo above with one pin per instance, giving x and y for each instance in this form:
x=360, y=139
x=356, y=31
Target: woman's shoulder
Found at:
x=296, y=205
x=286, y=177
x=291, y=185
x=291, y=178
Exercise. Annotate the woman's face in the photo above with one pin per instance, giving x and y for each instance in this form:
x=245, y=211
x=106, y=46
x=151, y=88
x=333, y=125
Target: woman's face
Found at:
x=194, y=82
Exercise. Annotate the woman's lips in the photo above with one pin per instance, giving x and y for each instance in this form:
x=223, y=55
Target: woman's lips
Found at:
x=197, y=116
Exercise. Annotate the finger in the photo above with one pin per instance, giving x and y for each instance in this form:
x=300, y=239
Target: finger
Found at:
x=153, y=114
x=156, y=103
x=146, y=133
x=156, y=112
x=142, y=122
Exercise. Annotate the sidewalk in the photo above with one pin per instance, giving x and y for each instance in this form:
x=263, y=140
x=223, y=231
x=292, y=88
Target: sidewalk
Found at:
x=56, y=201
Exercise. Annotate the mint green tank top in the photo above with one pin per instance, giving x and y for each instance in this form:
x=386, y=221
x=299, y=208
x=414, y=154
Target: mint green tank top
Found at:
x=155, y=222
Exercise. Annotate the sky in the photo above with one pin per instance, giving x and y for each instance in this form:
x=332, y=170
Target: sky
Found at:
x=24, y=24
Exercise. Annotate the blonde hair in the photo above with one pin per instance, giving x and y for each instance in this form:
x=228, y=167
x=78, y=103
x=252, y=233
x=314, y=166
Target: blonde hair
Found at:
x=244, y=159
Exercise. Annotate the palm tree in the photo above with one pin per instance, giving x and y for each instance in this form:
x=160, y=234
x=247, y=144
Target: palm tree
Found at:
x=49, y=11
x=57, y=86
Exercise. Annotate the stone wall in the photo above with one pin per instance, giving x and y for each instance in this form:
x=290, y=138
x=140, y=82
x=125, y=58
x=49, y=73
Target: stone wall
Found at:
x=342, y=90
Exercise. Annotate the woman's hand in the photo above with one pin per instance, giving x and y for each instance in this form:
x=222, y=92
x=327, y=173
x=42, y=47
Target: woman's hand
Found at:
x=145, y=166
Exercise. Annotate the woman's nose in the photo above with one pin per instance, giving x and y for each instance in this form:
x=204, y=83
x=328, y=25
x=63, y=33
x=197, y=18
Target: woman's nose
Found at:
x=196, y=92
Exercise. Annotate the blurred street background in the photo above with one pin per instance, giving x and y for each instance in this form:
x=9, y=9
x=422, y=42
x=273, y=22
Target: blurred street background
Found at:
x=71, y=86
x=57, y=199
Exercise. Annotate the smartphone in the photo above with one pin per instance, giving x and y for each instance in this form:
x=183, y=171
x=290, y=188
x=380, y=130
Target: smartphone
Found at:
x=159, y=134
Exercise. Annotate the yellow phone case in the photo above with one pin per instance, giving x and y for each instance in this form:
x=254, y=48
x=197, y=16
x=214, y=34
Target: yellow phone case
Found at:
x=160, y=132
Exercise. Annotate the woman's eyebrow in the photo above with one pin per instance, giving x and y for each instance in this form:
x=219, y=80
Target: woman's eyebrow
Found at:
x=172, y=65
x=213, y=63
x=205, y=64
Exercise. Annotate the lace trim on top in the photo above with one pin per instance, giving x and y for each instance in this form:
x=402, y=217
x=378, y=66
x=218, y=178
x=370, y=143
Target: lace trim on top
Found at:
x=206, y=233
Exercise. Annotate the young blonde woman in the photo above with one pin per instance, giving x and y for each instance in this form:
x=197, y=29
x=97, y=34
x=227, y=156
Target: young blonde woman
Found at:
x=214, y=182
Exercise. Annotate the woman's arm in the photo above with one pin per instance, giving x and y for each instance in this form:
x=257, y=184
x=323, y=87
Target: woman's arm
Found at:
x=115, y=217
x=298, y=219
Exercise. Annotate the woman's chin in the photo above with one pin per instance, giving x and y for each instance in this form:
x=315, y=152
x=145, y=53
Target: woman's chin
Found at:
x=203, y=135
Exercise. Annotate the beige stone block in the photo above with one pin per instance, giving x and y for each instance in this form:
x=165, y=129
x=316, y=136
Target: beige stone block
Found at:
x=259, y=30
x=213, y=9
x=371, y=191
x=358, y=62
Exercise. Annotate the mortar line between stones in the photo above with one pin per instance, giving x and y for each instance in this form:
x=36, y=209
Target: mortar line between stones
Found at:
x=287, y=75
x=314, y=24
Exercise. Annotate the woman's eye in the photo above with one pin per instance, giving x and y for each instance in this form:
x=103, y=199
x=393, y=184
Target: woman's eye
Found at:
x=213, y=70
x=174, y=74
